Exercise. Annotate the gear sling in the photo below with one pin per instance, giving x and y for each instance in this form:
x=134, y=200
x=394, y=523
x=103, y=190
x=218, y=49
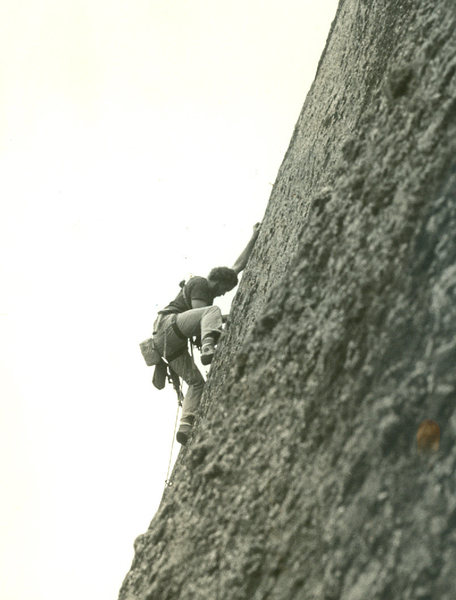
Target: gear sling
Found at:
x=169, y=337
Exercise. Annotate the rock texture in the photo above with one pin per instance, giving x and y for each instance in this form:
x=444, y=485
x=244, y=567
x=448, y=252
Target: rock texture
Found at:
x=303, y=480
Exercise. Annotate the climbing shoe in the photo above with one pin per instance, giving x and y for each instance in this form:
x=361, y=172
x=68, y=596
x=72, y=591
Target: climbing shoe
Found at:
x=185, y=429
x=207, y=351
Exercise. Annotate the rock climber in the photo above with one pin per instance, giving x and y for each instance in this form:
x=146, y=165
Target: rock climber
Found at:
x=192, y=314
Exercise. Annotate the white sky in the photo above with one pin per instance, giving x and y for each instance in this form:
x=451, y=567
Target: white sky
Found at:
x=138, y=144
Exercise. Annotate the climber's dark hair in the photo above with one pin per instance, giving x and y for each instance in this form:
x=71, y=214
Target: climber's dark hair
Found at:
x=224, y=275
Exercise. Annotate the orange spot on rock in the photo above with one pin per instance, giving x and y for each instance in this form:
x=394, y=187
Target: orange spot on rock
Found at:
x=428, y=436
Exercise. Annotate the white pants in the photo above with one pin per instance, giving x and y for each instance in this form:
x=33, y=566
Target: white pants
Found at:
x=197, y=321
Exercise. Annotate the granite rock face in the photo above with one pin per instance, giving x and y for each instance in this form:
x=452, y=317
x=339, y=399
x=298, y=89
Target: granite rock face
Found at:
x=302, y=479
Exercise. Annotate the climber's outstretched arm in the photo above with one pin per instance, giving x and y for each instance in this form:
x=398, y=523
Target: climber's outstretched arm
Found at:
x=241, y=262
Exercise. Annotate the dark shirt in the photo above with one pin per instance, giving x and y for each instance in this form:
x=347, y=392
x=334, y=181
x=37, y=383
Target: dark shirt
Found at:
x=196, y=288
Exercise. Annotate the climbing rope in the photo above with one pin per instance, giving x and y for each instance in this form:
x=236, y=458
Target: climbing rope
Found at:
x=175, y=380
x=168, y=481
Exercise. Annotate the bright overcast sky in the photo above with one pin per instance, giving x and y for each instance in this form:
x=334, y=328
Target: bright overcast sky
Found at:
x=138, y=144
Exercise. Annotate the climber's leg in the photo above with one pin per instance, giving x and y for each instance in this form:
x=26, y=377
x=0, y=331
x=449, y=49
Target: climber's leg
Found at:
x=185, y=367
x=205, y=321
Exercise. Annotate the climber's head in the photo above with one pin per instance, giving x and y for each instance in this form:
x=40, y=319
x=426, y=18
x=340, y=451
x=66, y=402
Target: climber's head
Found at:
x=222, y=280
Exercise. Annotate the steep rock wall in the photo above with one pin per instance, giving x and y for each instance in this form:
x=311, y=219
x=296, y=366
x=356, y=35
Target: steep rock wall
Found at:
x=302, y=479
